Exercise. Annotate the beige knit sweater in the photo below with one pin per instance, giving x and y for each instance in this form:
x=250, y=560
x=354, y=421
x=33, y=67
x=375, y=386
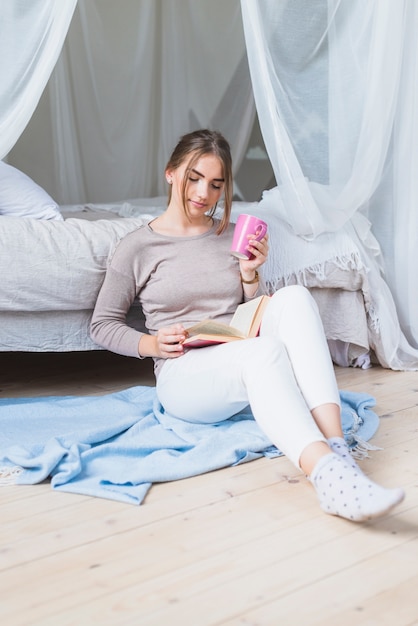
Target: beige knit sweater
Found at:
x=176, y=279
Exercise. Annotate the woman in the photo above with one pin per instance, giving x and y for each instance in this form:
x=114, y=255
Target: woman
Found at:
x=180, y=267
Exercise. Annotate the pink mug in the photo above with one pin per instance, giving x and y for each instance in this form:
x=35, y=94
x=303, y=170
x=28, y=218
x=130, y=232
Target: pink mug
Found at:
x=246, y=225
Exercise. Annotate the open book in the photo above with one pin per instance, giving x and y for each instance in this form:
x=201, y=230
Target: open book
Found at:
x=244, y=324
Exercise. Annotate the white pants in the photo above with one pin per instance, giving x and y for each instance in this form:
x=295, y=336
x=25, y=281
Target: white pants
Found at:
x=283, y=374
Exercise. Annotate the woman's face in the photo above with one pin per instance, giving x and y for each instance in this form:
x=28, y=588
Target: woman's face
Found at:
x=204, y=186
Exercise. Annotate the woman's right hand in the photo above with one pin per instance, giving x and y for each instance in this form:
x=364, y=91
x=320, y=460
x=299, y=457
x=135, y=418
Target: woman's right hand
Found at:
x=169, y=341
x=166, y=344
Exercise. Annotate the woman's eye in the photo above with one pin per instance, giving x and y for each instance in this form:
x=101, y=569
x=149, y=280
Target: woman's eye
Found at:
x=213, y=185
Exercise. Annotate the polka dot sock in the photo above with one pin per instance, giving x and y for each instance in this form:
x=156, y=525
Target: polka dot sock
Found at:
x=345, y=491
x=340, y=447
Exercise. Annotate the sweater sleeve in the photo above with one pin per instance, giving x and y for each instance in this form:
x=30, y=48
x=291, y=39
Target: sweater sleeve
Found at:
x=261, y=290
x=108, y=325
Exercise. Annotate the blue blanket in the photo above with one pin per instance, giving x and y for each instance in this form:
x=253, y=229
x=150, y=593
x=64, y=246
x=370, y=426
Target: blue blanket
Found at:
x=117, y=445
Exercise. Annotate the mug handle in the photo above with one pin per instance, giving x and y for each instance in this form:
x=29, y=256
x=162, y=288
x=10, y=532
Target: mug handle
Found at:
x=262, y=230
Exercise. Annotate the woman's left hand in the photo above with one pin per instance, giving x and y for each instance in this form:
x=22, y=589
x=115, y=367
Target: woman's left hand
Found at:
x=260, y=251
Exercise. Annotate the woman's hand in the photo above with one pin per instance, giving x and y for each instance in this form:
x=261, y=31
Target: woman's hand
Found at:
x=165, y=344
x=169, y=341
x=260, y=251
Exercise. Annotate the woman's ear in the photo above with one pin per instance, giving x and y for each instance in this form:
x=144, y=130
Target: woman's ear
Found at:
x=169, y=176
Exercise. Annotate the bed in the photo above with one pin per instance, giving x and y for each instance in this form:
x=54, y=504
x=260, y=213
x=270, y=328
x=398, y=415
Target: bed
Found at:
x=53, y=260
x=52, y=270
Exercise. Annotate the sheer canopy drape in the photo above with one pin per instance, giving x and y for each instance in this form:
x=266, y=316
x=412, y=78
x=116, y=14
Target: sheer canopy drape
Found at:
x=32, y=33
x=130, y=82
x=335, y=83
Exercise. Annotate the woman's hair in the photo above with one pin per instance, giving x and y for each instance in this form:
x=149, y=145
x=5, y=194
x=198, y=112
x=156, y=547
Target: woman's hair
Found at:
x=192, y=147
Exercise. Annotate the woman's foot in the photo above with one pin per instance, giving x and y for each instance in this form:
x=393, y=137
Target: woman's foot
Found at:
x=340, y=447
x=345, y=491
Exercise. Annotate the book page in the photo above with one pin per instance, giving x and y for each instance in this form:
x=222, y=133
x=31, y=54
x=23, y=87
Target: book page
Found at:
x=245, y=321
x=245, y=314
x=210, y=327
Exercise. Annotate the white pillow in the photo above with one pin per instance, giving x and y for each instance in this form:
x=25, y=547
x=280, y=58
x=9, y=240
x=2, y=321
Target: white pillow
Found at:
x=20, y=196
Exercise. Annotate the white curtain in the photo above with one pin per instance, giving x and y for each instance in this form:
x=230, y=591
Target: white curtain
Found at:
x=336, y=90
x=31, y=36
x=135, y=76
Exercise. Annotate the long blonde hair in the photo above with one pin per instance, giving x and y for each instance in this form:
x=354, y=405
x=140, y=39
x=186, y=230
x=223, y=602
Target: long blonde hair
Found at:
x=193, y=146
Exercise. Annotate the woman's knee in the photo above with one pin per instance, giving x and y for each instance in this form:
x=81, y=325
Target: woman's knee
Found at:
x=292, y=308
x=294, y=298
x=294, y=293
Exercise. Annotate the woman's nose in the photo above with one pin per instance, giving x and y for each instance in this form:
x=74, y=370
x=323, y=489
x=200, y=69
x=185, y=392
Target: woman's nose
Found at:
x=202, y=190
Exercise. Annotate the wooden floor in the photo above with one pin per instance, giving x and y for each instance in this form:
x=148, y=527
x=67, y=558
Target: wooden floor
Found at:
x=246, y=545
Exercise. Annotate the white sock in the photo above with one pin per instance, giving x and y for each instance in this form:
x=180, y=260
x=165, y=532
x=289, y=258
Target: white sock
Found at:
x=345, y=491
x=340, y=447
